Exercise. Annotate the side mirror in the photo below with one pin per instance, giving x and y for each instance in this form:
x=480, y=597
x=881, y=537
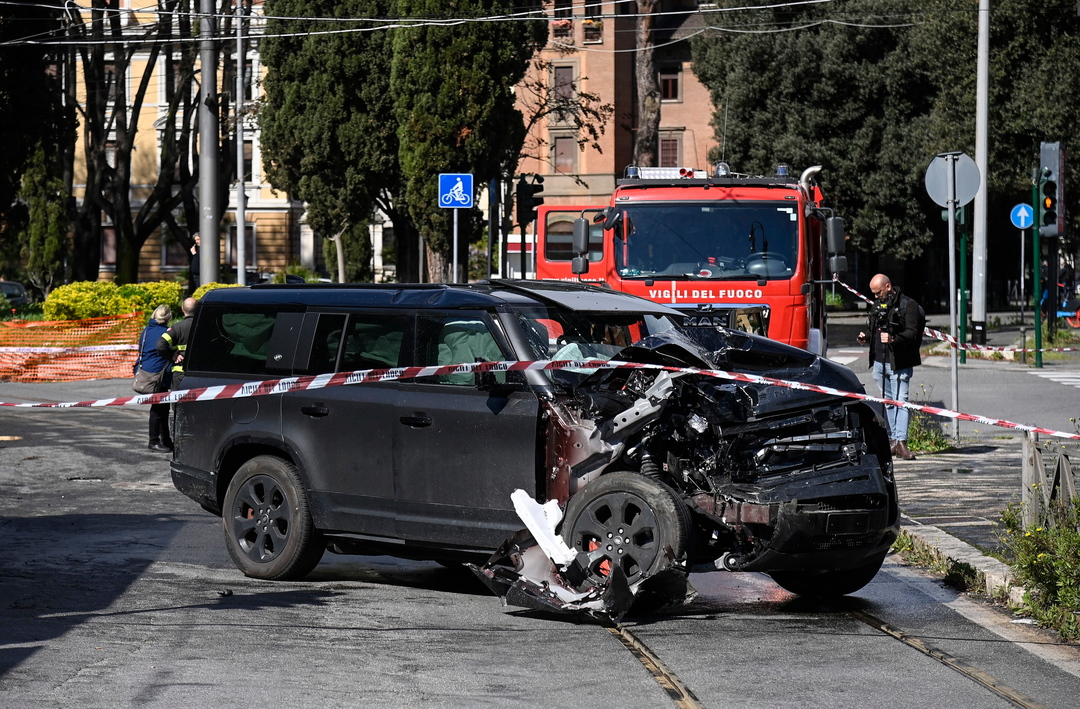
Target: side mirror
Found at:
x=612, y=219
x=838, y=264
x=579, y=265
x=580, y=241
x=834, y=236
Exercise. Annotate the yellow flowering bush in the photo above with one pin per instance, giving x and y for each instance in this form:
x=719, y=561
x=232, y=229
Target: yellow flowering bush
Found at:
x=206, y=287
x=96, y=299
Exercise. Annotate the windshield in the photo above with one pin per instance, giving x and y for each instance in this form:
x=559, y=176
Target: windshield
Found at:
x=559, y=333
x=712, y=240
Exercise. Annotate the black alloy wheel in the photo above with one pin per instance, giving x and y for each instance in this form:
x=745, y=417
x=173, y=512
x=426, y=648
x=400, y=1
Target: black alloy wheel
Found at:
x=629, y=520
x=268, y=526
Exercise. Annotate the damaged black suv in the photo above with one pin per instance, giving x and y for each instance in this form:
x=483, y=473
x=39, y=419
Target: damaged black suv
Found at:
x=639, y=472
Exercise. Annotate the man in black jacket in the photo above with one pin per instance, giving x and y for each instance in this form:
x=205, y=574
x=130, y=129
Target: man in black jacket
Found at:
x=172, y=345
x=894, y=351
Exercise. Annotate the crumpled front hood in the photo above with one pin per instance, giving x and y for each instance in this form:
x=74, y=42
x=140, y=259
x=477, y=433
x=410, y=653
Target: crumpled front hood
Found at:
x=733, y=351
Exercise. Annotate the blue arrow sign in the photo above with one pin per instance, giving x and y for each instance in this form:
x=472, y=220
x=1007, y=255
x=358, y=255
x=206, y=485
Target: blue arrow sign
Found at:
x=455, y=190
x=1021, y=216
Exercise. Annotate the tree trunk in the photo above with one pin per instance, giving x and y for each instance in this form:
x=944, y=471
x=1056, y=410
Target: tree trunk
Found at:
x=646, y=141
x=438, y=265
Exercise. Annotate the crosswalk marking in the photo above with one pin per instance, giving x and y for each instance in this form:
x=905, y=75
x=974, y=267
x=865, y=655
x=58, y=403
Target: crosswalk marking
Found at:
x=847, y=355
x=1061, y=377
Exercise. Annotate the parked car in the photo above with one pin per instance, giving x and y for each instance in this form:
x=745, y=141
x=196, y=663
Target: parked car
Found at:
x=655, y=471
x=15, y=293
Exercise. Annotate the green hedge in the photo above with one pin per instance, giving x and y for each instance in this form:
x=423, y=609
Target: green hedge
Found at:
x=96, y=299
x=202, y=290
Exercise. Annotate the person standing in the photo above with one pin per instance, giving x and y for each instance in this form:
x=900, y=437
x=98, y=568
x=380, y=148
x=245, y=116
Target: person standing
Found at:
x=894, y=342
x=172, y=344
x=193, y=268
x=152, y=361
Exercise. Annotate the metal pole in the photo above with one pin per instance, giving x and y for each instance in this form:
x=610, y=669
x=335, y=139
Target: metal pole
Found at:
x=963, y=292
x=522, y=249
x=1036, y=265
x=978, y=247
x=209, y=214
x=952, y=289
x=454, y=275
x=493, y=223
x=1022, y=245
x=241, y=217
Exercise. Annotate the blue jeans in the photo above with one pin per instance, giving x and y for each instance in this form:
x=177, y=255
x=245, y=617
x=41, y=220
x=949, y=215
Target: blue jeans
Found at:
x=893, y=384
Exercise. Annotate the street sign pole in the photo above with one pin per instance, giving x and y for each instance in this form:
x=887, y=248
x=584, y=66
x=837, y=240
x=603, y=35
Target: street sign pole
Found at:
x=454, y=278
x=952, y=203
x=1036, y=266
x=1022, y=278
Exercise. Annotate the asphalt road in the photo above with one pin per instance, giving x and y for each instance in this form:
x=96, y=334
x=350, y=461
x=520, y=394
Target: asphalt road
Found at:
x=116, y=591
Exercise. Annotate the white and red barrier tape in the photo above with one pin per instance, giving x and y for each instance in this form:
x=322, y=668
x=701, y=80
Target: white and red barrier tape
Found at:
x=953, y=342
x=369, y=376
x=68, y=350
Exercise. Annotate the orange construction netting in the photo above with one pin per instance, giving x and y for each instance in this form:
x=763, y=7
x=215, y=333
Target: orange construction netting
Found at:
x=67, y=350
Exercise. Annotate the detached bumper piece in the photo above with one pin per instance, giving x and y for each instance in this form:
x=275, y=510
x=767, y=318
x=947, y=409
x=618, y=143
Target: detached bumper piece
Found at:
x=523, y=576
x=547, y=576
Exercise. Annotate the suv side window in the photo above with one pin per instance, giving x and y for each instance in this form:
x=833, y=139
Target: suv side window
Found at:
x=232, y=339
x=325, y=343
x=373, y=341
x=456, y=339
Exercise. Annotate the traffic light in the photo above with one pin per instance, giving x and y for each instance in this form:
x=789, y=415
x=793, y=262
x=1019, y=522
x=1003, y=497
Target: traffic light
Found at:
x=1052, y=189
x=528, y=198
x=961, y=215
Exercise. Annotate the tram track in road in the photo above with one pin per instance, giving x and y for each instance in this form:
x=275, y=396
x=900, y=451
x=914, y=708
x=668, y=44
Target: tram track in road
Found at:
x=683, y=697
x=973, y=673
x=680, y=695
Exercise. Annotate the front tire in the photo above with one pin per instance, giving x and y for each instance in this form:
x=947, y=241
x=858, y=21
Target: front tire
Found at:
x=827, y=584
x=268, y=527
x=631, y=520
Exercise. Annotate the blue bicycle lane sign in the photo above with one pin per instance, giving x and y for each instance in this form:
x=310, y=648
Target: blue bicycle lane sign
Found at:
x=455, y=190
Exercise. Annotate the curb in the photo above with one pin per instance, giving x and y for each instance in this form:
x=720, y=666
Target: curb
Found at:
x=992, y=576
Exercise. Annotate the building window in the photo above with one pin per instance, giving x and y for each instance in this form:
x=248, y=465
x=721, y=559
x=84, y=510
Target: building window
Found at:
x=109, y=76
x=110, y=153
x=562, y=26
x=592, y=27
x=671, y=84
x=249, y=247
x=564, y=83
x=108, y=246
x=566, y=150
x=249, y=150
x=173, y=253
x=670, y=151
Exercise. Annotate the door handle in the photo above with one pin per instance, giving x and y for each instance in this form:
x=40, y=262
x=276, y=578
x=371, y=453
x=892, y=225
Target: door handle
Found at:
x=416, y=421
x=315, y=410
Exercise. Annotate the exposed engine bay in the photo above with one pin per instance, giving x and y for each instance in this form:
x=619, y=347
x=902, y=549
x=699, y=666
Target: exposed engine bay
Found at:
x=652, y=473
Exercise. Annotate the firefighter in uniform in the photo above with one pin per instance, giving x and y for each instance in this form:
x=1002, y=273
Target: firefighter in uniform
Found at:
x=173, y=344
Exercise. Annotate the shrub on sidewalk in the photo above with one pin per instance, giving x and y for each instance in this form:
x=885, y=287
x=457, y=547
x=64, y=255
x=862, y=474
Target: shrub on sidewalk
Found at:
x=1046, y=560
x=96, y=299
x=206, y=287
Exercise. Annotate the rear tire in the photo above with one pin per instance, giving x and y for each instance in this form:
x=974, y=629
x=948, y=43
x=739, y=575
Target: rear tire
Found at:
x=827, y=584
x=268, y=527
x=631, y=519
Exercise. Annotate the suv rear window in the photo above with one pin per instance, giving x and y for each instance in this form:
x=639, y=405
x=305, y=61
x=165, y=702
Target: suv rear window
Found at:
x=233, y=340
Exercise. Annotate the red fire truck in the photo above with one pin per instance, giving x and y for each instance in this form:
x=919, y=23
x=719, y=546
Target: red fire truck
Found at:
x=749, y=253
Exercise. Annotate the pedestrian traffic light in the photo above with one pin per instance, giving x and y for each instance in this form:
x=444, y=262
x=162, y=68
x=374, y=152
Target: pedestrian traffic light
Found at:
x=1051, y=188
x=528, y=198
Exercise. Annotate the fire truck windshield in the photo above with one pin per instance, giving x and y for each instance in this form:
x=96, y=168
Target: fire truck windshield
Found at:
x=708, y=240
